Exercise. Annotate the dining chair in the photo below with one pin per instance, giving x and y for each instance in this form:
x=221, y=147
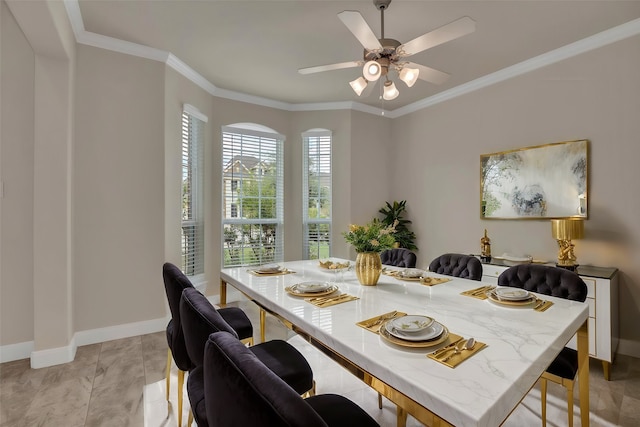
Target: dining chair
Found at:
x=200, y=319
x=561, y=283
x=175, y=281
x=240, y=390
x=399, y=257
x=457, y=265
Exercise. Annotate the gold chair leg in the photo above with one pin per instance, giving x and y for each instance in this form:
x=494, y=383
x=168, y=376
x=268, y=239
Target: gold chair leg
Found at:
x=180, y=384
x=247, y=341
x=190, y=420
x=311, y=391
x=168, y=371
x=543, y=399
x=570, y=402
x=379, y=401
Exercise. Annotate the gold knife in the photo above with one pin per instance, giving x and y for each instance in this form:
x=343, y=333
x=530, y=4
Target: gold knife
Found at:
x=334, y=299
x=449, y=346
x=545, y=306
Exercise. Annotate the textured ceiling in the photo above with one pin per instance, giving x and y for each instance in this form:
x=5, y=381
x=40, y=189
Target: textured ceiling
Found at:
x=256, y=47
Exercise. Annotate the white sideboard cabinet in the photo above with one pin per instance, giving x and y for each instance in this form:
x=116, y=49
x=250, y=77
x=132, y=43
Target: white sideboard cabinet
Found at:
x=602, y=297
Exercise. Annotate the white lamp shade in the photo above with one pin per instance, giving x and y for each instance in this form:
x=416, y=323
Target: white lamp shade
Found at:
x=409, y=75
x=358, y=85
x=390, y=91
x=372, y=71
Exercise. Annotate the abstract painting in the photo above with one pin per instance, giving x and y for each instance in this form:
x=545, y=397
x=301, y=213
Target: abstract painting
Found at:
x=545, y=181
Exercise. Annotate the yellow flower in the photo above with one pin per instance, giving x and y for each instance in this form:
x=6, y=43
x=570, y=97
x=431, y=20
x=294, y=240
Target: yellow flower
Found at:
x=374, y=243
x=353, y=228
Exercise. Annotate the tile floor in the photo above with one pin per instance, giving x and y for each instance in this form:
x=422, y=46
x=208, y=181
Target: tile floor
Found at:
x=121, y=383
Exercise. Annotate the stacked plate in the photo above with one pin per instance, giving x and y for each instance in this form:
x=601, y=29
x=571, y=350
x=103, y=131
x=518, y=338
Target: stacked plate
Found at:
x=268, y=269
x=506, y=295
x=312, y=289
x=414, y=331
x=410, y=274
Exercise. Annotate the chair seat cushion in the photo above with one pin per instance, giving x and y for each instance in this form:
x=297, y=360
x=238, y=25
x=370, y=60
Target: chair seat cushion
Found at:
x=565, y=365
x=286, y=362
x=339, y=411
x=238, y=320
x=195, y=390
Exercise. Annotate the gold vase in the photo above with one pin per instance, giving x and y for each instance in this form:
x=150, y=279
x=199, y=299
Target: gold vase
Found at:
x=368, y=268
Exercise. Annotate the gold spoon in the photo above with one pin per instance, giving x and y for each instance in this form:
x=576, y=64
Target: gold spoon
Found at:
x=462, y=345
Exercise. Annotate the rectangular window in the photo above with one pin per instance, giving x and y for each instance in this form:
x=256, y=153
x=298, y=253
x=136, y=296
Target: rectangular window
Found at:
x=316, y=205
x=253, y=198
x=192, y=191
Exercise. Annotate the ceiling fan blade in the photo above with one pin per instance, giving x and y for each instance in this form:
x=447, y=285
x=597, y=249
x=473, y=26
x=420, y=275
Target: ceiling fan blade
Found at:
x=330, y=67
x=429, y=74
x=359, y=27
x=458, y=28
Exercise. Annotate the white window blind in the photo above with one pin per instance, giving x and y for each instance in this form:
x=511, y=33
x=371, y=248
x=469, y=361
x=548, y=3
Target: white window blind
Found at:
x=316, y=194
x=192, y=191
x=253, y=197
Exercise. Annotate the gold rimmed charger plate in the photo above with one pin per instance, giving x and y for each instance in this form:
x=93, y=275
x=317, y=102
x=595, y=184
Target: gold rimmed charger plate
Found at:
x=413, y=344
x=408, y=279
x=517, y=303
x=291, y=291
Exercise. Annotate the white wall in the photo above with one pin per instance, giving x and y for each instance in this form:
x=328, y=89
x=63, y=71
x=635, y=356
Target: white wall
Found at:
x=593, y=96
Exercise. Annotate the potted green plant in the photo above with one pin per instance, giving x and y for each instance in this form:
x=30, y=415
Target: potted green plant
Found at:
x=393, y=214
x=369, y=240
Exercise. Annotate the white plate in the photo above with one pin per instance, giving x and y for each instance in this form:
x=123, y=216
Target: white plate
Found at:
x=269, y=268
x=429, y=333
x=511, y=294
x=411, y=324
x=411, y=273
x=310, y=287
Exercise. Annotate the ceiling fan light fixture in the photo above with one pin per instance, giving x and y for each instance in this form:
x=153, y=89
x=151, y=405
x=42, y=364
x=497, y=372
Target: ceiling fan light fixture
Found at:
x=372, y=71
x=409, y=75
x=390, y=91
x=358, y=85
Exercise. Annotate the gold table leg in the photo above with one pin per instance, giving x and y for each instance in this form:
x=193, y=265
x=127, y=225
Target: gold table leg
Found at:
x=583, y=373
x=223, y=293
x=263, y=317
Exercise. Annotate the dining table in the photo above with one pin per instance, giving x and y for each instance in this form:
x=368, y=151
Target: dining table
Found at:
x=517, y=342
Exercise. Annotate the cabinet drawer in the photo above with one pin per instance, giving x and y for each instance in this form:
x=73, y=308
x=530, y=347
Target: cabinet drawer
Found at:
x=592, y=307
x=591, y=286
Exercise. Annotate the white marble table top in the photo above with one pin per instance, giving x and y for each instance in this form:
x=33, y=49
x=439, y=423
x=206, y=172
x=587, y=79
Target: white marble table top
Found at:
x=482, y=390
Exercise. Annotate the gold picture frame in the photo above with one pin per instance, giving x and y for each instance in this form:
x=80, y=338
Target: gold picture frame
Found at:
x=541, y=182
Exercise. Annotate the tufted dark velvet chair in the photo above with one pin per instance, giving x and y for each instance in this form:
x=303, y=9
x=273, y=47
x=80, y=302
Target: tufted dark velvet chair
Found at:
x=457, y=265
x=399, y=257
x=561, y=283
x=241, y=391
x=174, y=283
x=200, y=319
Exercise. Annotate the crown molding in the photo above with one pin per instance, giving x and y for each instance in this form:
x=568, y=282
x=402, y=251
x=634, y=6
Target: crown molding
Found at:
x=606, y=37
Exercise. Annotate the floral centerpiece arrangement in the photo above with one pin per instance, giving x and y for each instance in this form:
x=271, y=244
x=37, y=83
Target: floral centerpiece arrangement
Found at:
x=372, y=237
x=369, y=240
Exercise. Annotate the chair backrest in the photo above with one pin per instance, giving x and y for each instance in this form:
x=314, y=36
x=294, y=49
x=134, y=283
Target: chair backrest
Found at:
x=199, y=320
x=174, y=283
x=399, y=257
x=241, y=391
x=457, y=265
x=545, y=279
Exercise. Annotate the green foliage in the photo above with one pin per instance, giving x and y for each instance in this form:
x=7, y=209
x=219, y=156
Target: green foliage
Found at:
x=392, y=214
x=372, y=237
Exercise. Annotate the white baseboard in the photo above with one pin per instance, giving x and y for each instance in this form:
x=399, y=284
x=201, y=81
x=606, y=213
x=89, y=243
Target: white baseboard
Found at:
x=629, y=348
x=11, y=352
x=65, y=354
x=53, y=356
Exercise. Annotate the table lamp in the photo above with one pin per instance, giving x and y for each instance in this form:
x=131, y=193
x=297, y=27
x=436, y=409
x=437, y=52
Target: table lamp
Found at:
x=564, y=230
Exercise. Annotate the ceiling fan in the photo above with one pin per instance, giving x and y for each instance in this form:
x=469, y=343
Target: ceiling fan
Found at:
x=383, y=54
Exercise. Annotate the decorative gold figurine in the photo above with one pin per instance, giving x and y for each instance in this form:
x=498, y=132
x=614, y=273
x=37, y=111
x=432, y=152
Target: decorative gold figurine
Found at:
x=564, y=230
x=485, y=243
